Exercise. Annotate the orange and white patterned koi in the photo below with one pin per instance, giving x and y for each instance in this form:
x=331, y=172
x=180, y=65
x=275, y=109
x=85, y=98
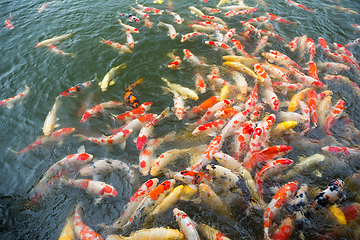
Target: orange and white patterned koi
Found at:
x=261, y=44
x=284, y=230
x=98, y=109
x=117, y=46
x=56, y=50
x=128, y=27
x=200, y=83
x=117, y=138
x=335, y=114
x=82, y=231
x=9, y=102
x=218, y=45
x=193, y=35
x=298, y=5
x=210, y=128
x=279, y=19
x=239, y=48
x=133, y=114
x=135, y=124
x=93, y=187
x=177, y=17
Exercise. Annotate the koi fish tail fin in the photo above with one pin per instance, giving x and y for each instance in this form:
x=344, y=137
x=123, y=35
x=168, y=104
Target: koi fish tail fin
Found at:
x=102, y=40
x=115, y=237
x=140, y=81
x=171, y=55
x=166, y=90
x=166, y=113
x=160, y=24
x=81, y=136
x=14, y=151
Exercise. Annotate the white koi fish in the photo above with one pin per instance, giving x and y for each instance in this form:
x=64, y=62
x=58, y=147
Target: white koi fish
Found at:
x=196, y=11
x=193, y=59
x=129, y=39
x=172, y=31
x=9, y=102
x=54, y=39
x=179, y=106
x=153, y=233
x=50, y=120
x=186, y=224
x=128, y=27
x=108, y=79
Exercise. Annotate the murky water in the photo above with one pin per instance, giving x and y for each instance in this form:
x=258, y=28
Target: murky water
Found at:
x=48, y=75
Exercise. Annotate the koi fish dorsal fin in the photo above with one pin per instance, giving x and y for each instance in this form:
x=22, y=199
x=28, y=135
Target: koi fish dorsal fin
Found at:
x=81, y=149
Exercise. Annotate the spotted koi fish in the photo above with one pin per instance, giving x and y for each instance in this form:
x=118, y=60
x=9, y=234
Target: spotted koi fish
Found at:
x=133, y=114
x=177, y=17
x=45, y=5
x=285, y=229
x=149, y=9
x=129, y=98
x=298, y=5
x=331, y=194
x=186, y=224
x=128, y=27
x=135, y=124
x=176, y=64
x=117, y=138
x=280, y=198
x=219, y=45
x=212, y=233
x=8, y=24
x=346, y=151
x=83, y=232
x=279, y=19
x=353, y=43
x=192, y=58
x=130, y=17
x=334, y=115
x=78, y=88
x=98, y=109
x=121, y=48
x=192, y=177
x=193, y=35
x=239, y=48
x=212, y=10
x=9, y=102
x=135, y=200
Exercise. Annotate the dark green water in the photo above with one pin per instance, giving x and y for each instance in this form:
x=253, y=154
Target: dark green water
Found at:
x=48, y=75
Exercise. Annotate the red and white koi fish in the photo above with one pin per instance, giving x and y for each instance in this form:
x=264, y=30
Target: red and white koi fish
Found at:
x=279, y=19
x=270, y=34
x=140, y=13
x=332, y=67
x=346, y=60
x=307, y=80
x=293, y=44
x=67, y=164
x=285, y=87
x=117, y=138
x=176, y=64
x=193, y=59
x=244, y=12
x=335, y=114
x=323, y=44
x=229, y=112
x=342, y=50
x=242, y=138
x=295, y=4
x=45, y=5
x=353, y=43
x=269, y=97
x=332, y=193
x=222, y=46
x=212, y=10
x=56, y=50
x=83, y=232
x=135, y=200
x=177, y=17
x=49, y=123
x=257, y=20
x=57, y=136
x=191, y=36
x=213, y=147
x=313, y=71
x=108, y=165
x=98, y=109
x=204, y=106
x=209, y=114
x=261, y=44
x=9, y=102
x=210, y=128
x=270, y=169
x=346, y=151
x=212, y=19
x=146, y=130
x=229, y=35
x=214, y=25
x=239, y=48
x=150, y=201
x=285, y=229
x=78, y=88
x=54, y=39
x=149, y=9
x=280, y=198
x=172, y=31
x=133, y=114
x=179, y=106
x=128, y=27
x=267, y=154
x=267, y=84
x=93, y=187
x=340, y=8
x=129, y=40
x=212, y=233
x=311, y=48
x=117, y=46
x=287, y=59
x=192, y=177
x=186, y=224
x=312, y=103
x=200, y=83
x=8, y=24
x=135, y=124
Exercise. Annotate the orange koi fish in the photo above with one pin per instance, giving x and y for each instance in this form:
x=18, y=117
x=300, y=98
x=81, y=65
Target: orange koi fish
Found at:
x=8, y=24
x=45, y=5
x=129, y=97
x=335, y=114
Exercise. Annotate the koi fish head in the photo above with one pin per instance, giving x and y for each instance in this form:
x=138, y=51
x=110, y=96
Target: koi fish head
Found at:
x=330, y=194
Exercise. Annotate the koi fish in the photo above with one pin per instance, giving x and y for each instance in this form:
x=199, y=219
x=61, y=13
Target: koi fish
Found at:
x=49, y=123
x=135, y=200
x=83, y=231
x=176, y=64
x=244, y=12
x=286, y=58
x=335, y=114
x=284, y=230
x=160, y=233
x=261, y=44
x=192, y=58
x=186, y=224
x=45, y=5
x=108, y=79
x=196, y=11
x=193, y=35
x=179, y=106
x=311, y=48
x=129, y=97
x=151, y=200
x=130, y=17
x=129, y=39
x=78, y=88
x=242, y=68
x=98, y=109
x=332, y=67
x=340, y=8
x=140, y=13
x=342, y=50
x=200, y=83
x=177, y=19
x=54, y=39
x=352, y=43
x=218, y=45
x=172, y=32
x=183, y=91
x=146, y=130
x=192, y=177
x=122, y=48
x=68, y=232
x=9, y=102
x=135, y=124
x=212, y=18
x=56, y=50
x=239, y=48
x=149, y=9
x=8, y=24
x=128, y=27
x=304, y=163
x=295, y=4
x=108, y=165
x=280, y=198
x=117, y=138
x=212, y=10
x=212, y=233
x=332, y=193
x=279, y=19
x=57, y=136
x=133, y=114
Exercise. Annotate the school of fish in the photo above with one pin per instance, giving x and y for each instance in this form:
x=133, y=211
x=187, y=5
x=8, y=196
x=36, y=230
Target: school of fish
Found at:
x=245, y=139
